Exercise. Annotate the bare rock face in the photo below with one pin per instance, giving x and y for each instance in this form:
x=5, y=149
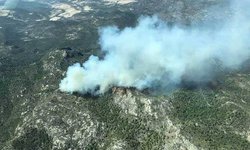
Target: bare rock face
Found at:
x=156, y=114
x=67, y=126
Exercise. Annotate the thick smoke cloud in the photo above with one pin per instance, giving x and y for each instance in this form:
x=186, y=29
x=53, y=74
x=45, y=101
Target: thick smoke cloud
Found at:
x=153, y=53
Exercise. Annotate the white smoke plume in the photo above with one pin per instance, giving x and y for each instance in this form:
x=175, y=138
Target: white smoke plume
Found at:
x=153, y=53
x=10, y=4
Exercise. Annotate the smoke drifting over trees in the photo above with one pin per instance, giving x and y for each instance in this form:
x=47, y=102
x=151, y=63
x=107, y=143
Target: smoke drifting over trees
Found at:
x=152, y=53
